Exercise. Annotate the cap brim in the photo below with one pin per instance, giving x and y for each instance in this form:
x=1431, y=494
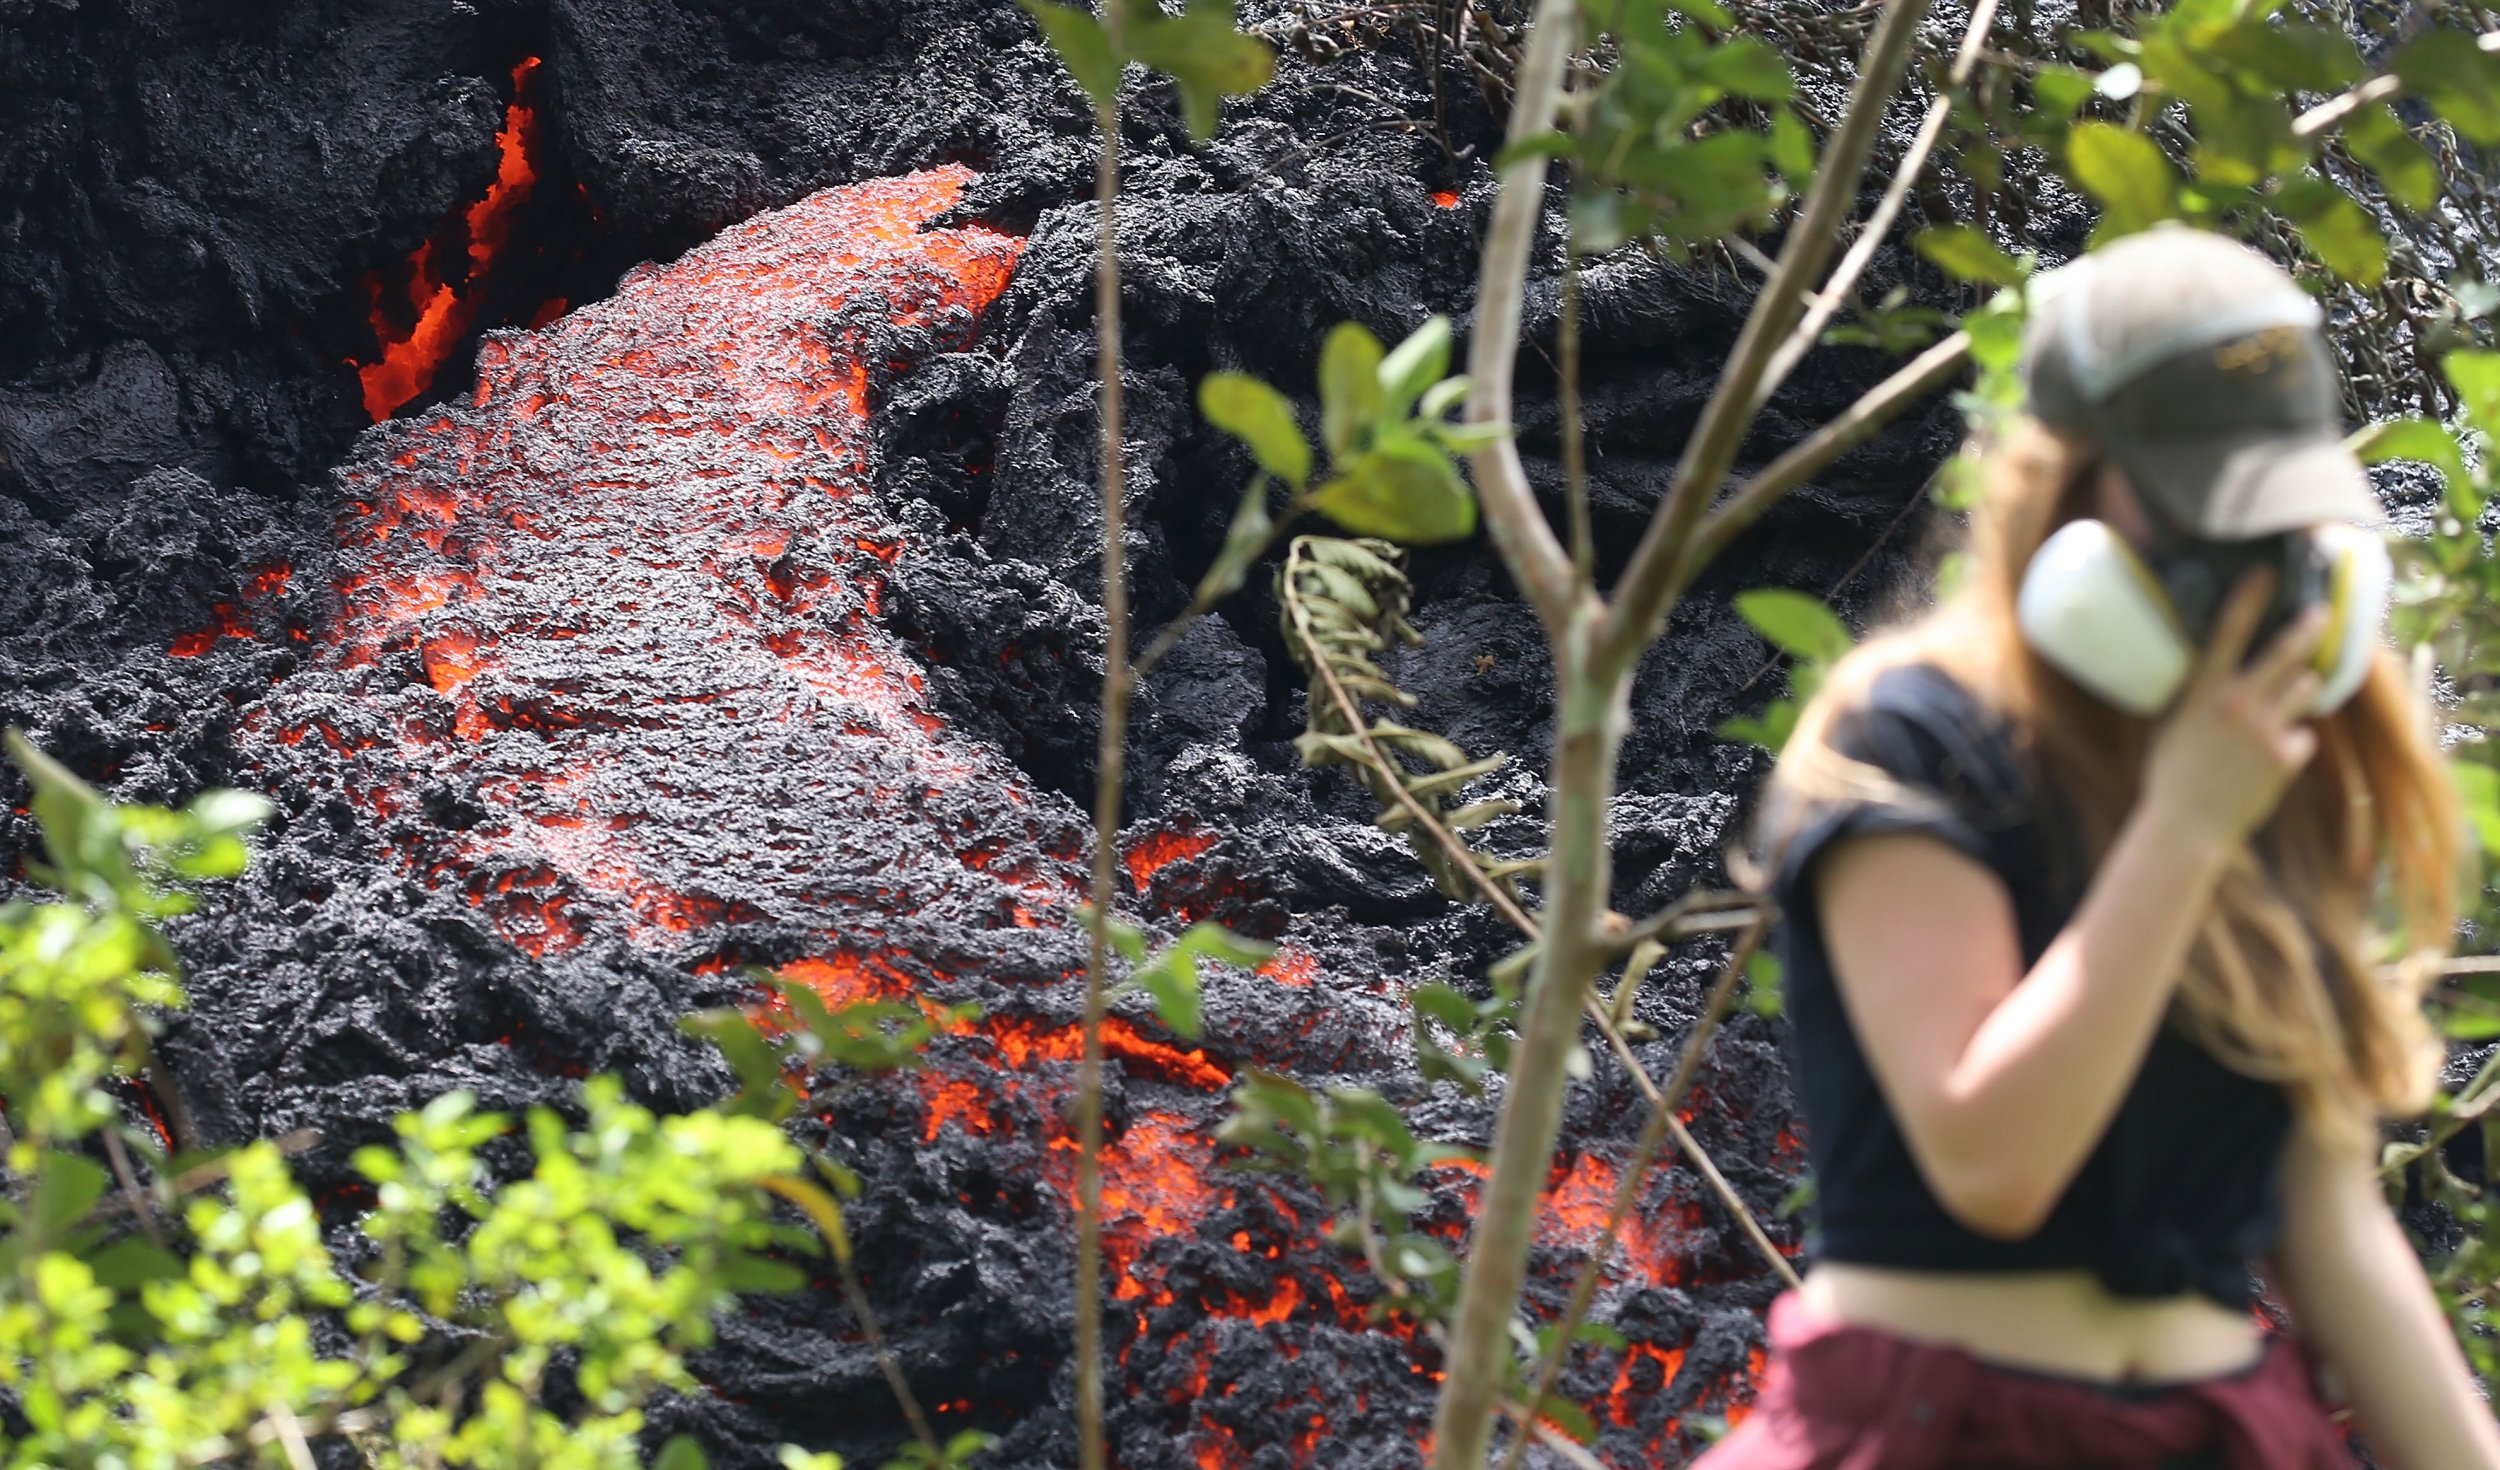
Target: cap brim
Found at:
x=2234, y=486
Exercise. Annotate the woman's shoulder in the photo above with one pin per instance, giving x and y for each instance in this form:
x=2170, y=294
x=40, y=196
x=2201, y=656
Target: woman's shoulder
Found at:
x=1916, y=719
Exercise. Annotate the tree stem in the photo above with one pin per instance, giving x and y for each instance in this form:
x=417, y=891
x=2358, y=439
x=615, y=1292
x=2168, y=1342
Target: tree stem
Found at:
x=1536, y=560
x=1110, y=762
x=1574, y=445
x=1648, y=587
x=1590, y=726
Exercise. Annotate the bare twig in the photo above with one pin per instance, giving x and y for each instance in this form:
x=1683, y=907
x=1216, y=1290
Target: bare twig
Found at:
x=1110, y=763
x=1201, y=603
x=1574, y=447
x=202, y=1176
x=1698, y=912
x=1536, y=560
x=1660, y=1098
x=1819, y=311
x=133, y=1197
x=2336, y=109
x=1461, y=856
x=1875, y=408
x=290, y=1434
x=887, y=1363
x=1649, y=584
x=1573, y=1453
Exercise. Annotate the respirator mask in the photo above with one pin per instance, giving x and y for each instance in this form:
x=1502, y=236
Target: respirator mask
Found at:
x=2129, y=626
x=2198, y=368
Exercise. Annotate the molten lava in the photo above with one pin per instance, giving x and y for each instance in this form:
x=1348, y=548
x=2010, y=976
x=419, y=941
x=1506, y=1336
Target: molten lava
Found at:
x=422, y=322
x=618, y=612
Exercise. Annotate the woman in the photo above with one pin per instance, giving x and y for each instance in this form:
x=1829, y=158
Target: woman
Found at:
x=2077, y=873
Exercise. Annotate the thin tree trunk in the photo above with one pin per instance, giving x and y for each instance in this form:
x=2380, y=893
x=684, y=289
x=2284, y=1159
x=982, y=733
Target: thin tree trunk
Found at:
x=1594, y=710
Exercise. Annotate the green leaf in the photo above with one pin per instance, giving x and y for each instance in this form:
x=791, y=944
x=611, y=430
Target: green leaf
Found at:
x=1548, y=144
x=1965, y=251
x=1443, y=396
x=1210, y=940
x=2459, y=79
x=1400, y=491
x=1791, y=149
x=2060, y=89
x=2125, y=174
x=2426, y=440
x=1468, y=438
x=1204, y=54
x=2283, y=59
x=2386, y=147
x=229, y=811
x=1349, y=386
x=66, y=1188
x=2480, y=786
x=131, y=1262
x=1748, y=68
x=1765, y=990
x=680, y=1453
x=1084, y=48
x=761, y=1275
x=1244, y=539
x=1573, y=1420
x=1598, y=221
x=1259, y=417
x=1770, y=731
x=1414, y=365
x=1796, y=623
x=2475, y=374
x=2336, y=227
x=1174, y=986
x=753, y=1059
x=820, y=1208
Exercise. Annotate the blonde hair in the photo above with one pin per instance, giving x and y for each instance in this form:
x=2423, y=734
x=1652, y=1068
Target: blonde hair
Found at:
x=2282, y=983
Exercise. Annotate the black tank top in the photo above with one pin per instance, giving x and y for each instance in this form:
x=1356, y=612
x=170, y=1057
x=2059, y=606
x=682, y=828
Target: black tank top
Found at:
x=2179, y=1195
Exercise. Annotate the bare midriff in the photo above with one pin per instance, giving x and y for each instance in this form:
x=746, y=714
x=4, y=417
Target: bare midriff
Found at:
x=2060, y=1322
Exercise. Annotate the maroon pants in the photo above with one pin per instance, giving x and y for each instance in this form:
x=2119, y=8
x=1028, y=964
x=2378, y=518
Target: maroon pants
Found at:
x=1839, y=1397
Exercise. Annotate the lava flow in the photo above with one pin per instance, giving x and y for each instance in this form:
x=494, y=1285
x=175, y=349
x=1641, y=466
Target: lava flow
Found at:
x=419, y=322
x=607, y=661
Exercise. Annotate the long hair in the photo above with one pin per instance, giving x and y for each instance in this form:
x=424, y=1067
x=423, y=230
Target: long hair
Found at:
x=2291, y=977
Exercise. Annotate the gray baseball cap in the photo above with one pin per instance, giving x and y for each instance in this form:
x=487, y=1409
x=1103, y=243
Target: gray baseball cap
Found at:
x=2199, y=366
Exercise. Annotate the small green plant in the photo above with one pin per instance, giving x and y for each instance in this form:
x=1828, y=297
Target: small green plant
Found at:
x=185, y=1310
x=1801, y=626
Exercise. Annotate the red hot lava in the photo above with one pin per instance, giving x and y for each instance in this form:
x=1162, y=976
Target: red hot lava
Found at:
x=418, y=324
x=620, y=607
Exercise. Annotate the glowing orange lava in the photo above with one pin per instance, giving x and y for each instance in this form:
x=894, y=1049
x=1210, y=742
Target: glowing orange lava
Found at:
x=638, y=540
x=1292, y=966
x=623, y=605
x=1157, y=850
x=444, y=290
x=231, y=620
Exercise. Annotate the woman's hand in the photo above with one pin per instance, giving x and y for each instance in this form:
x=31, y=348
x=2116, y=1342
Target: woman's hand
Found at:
x=2238, y=735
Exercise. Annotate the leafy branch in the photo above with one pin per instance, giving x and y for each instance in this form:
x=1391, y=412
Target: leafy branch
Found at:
x=1343, y=603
